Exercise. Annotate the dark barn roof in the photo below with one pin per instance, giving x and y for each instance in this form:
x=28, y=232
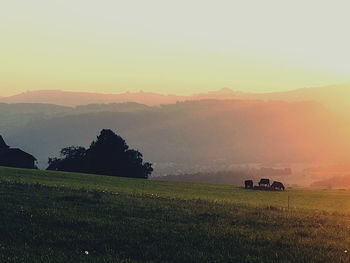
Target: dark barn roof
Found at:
x=3, y=145
x=17, y=152
x=14, y=157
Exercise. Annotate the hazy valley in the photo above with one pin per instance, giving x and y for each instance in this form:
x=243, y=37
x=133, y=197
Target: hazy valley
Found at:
x=210, y=133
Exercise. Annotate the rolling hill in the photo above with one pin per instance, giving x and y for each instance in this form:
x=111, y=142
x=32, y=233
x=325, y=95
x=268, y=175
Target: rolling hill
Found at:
x=194, y=135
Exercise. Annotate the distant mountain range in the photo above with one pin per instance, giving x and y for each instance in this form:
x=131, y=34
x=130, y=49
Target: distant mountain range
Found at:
x=187, y=136
x=72, y=99
x=335, y=98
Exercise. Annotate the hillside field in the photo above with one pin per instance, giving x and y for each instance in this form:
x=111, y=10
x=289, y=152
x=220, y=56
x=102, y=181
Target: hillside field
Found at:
x=65, y=217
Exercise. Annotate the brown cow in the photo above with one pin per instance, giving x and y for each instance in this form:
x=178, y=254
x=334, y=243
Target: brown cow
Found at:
x=264, y=182
x=277, y=185
x=248, y=184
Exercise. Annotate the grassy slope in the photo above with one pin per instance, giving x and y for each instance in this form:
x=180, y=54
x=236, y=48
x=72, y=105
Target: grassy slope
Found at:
x=63, y=215
x=328, y=200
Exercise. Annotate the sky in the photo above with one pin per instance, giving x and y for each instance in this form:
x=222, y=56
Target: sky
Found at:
x=173, y=47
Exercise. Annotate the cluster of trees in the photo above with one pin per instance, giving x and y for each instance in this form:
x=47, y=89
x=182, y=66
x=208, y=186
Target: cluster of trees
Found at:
x=108, y=155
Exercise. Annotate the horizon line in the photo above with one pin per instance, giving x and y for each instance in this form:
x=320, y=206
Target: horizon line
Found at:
x=173, y=94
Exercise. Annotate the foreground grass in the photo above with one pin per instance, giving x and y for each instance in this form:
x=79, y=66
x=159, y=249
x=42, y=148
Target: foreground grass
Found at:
x=64, y=217
x=57, y=224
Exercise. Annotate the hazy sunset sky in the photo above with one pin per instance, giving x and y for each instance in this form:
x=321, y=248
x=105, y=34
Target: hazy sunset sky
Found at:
x=181, y=47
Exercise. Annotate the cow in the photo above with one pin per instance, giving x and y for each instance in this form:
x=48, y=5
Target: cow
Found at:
x=277, y=185
x=248, y=184
x=264, y=182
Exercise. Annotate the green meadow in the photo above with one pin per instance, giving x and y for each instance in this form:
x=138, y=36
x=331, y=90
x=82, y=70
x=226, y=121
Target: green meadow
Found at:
x=68, y=217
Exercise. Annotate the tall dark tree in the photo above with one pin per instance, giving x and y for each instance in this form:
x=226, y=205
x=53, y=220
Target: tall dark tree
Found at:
x=108, y=155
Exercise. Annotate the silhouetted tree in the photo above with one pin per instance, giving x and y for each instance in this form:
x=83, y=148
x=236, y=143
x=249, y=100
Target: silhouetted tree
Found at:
x=72, y=160
x=108, y=155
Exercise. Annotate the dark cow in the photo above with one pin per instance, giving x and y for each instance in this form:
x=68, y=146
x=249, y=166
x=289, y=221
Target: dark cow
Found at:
x=264, y=182
x=277, y=185
x=248, y=184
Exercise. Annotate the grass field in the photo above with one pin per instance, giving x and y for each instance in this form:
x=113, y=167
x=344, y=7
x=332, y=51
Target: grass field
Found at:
x=63, y=217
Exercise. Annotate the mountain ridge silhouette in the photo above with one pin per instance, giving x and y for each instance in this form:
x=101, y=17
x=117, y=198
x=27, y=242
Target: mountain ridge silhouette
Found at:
x=333, y=97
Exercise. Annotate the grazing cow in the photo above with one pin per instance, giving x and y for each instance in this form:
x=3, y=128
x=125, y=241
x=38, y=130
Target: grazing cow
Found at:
x=264, y=182
x=248, y=184
x=277, y=185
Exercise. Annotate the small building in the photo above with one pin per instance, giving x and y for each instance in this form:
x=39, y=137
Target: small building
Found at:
x=13, y=157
